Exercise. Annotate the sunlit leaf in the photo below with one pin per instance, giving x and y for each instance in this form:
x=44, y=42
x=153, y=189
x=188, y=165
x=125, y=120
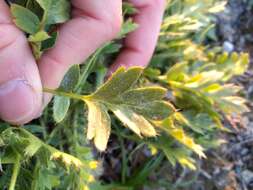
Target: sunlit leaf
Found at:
x=99, y=124
x=143, y=95
x=179, y=134
x=133, y=121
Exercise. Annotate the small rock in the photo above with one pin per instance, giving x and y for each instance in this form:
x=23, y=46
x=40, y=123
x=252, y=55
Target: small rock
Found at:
x=244, y=152
x=247, y=176
x=228, y=46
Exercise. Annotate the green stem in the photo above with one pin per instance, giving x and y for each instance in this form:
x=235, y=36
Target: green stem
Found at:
x=75, y=128
x=65, y=94
x=124, y=161
x=53, y=133
x=124, y=156
x=101, y=74
x=34, y=181
x=27, y=3
x=43, y=21
x=15, y=173
x=88, y=69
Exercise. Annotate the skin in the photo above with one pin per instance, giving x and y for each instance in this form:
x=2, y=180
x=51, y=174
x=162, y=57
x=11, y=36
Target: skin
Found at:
x=93, y=23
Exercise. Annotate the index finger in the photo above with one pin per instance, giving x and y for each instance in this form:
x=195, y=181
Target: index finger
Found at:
x=139, y=45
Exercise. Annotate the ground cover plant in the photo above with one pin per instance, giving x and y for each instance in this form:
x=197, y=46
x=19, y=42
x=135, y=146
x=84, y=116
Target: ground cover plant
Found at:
x=173, y=109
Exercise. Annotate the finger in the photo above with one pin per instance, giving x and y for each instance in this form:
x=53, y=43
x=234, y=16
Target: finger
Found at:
x=94, y=22
x=140, y=44
x=20, y=86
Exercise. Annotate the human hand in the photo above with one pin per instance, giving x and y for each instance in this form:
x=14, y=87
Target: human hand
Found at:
x=93, y=23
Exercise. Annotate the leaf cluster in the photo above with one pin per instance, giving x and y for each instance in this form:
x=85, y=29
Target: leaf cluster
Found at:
x=38, y=18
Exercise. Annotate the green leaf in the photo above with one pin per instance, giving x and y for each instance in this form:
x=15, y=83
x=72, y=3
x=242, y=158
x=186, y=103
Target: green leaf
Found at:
x=119, y=82
x=156, y=110
x=174, y=73
x=55, y=12
x=62, y=104
x=99, y=125
x=25, y=19
x=8, y=157
x=143, y=95
x=71, y=79
x=173, y=153
x=128, y=26
x=49, y=43
x=32, y=148
x=183, y=157
x=60, y=108
x=148, y=102
x=129, y=9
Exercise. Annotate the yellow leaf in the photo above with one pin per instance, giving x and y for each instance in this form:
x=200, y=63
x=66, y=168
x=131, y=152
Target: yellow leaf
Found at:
x=67, y=159
x=188, y=163
x=99, y=124
x=182, y=137
x=133, y=121
x=218, y=7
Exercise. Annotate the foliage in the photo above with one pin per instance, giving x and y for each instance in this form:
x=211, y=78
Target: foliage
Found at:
x=37, y=18
x=175, y=107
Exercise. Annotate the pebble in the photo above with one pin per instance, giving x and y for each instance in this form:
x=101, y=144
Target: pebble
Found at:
x=228, y=46
x=247, y=176
x=244, y=152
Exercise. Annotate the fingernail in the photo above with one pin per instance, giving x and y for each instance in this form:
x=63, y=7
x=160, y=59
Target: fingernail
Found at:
x=17, y=101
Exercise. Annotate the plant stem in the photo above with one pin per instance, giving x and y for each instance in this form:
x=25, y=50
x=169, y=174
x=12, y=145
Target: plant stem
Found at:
x=34, y=181
x=124, y=161
x=15, y=172
x=65, y=94
x=124, y=156
x=88, y=69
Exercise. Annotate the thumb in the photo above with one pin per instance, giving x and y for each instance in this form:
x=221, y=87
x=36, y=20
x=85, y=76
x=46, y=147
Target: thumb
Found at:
x=20, y=86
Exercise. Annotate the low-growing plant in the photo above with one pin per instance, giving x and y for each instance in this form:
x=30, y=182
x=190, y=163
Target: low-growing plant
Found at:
x=175, y=107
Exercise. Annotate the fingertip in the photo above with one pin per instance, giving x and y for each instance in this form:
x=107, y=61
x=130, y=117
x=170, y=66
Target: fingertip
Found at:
x=20, y=85
x=130, y=57
x=140, y=44
x=19, y=102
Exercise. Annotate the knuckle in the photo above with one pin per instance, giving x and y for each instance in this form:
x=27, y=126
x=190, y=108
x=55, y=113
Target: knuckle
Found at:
x=158, y=3
x=9, y=35
x=164, y=4
x=114, y=26
x=161, y=2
